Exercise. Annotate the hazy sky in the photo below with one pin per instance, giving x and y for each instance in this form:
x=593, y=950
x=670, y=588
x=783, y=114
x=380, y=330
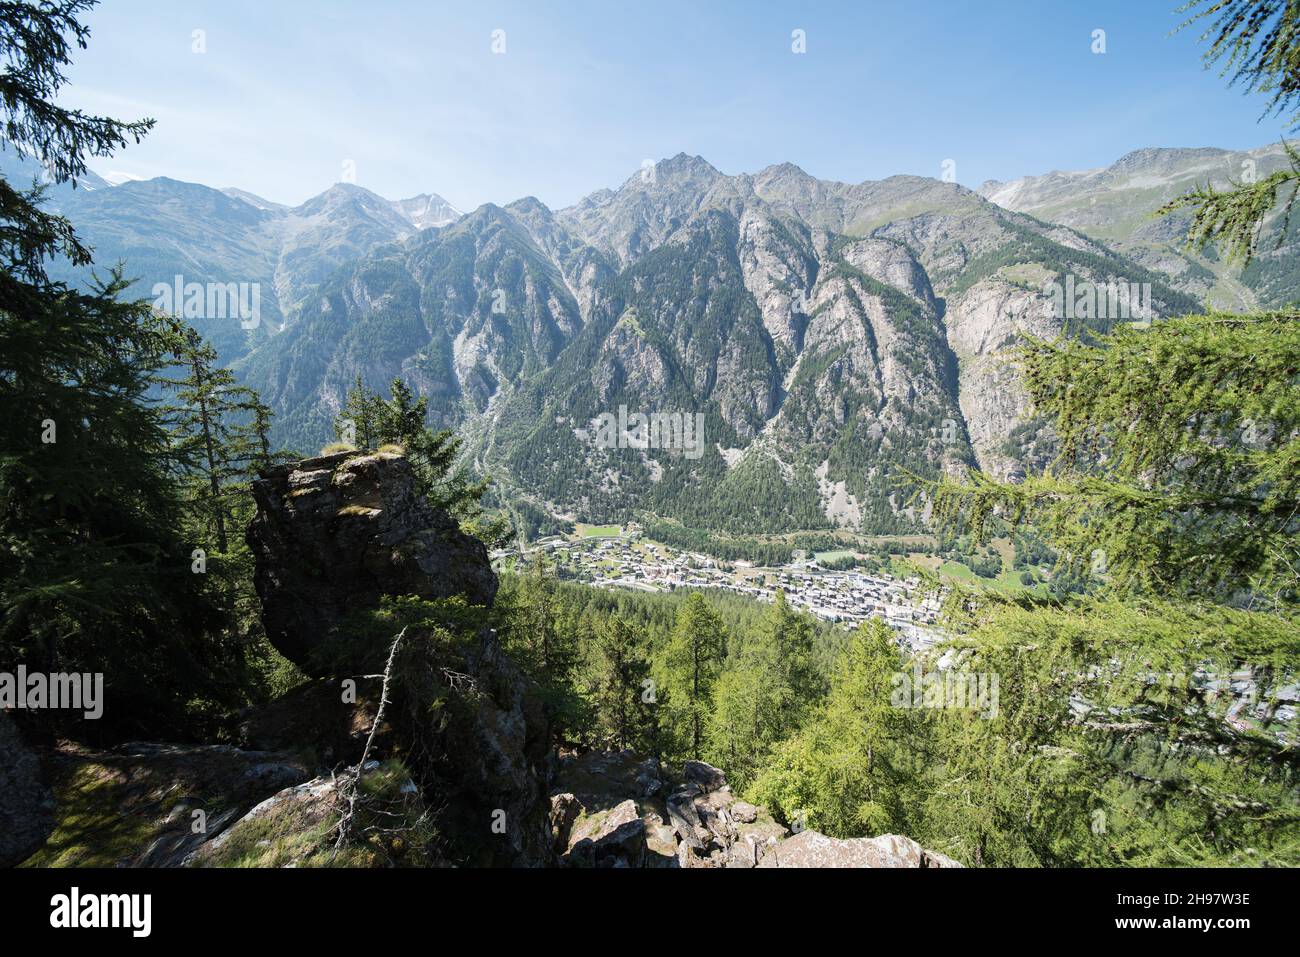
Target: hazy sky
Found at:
x=414, y=96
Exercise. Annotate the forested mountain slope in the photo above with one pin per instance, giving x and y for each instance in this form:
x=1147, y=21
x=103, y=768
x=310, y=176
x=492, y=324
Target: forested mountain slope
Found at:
x=1117, y=205
x=833, y=340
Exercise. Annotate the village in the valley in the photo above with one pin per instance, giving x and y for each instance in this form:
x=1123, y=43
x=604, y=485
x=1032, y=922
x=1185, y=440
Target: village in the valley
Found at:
x=620, y=557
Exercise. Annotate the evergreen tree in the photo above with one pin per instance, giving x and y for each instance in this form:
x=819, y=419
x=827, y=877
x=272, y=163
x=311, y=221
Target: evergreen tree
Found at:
x=358, y=421
x=220, y=432
x=787, y=642
x=1176, y=489
x=748, y=718
x=1179, y=464
x=769, y=683
x=689, y=667
x=1258, y=42
x=850, y=771
x=94, y=572
x=547, y=637
x=403, y=420
x=621, y=669
x=368, y=421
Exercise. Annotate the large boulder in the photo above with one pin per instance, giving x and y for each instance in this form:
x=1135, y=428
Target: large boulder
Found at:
x=485, y=758
x=26, y=803
x=332, y=534
x=706, y=776
x=811, y=849
x=331, y=537
x=615, y=838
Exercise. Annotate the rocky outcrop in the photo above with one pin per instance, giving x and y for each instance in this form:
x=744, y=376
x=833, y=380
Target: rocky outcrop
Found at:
x=811, y=849
x=26, y=804
x=331, y=537
x=298, y=826
x=486, y=757
x=296, y=811
x=615, y=809
x=332, y=534
x=616, y=838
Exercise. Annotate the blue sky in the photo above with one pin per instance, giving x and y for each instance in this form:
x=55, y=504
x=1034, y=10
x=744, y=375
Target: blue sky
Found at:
x=413, y=95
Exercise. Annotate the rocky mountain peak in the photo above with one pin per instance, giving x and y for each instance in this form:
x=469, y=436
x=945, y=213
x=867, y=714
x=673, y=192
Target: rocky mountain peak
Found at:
x=427, y=210
x=1163, y=158
x=529, y=206
x=252, y=199
x=679, y=170
x=344, y=195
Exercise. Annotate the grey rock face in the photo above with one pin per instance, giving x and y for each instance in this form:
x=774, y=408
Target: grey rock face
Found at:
x=706, y=776
x=564, y=811
x=26, y=804
x=616, y=839
x=811, y=849
x=601, y=817
x=333, y=534
x=891, y=264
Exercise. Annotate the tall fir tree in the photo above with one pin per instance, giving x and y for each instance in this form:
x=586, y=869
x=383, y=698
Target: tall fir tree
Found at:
x=1177, y=489
x=688, y=668
x=850, y=771
x=95, y=574
x=220, y=432
x=624, y=700
x=769, y=682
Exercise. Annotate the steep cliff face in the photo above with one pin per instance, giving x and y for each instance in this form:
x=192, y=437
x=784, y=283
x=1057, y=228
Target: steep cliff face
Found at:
x=836, y=339
x=984, y=324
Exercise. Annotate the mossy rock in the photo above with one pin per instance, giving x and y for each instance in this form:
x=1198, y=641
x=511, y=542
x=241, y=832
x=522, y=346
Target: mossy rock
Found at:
x=138, y=806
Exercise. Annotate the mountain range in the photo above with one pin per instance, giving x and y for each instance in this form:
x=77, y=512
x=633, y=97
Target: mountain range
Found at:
x=837, y=339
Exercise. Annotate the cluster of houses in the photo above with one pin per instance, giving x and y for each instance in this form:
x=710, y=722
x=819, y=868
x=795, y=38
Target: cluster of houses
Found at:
x=626, y=560
x=844, y=597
